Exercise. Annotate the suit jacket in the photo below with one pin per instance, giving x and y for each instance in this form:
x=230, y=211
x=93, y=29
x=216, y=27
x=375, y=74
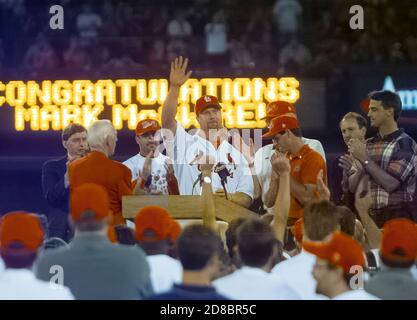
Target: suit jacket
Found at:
x=113, y=175
x=53, y=186
x=393, y=284
x=95, y=268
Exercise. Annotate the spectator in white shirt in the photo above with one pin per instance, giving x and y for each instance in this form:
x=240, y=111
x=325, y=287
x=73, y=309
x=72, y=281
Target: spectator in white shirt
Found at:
x=179, y=27
x=151, y=169
x=320, y=220
x=156, y=233
x=216, y=39
x=339, y=267
x=262, y=160
x=88, y=23
x=21, y=237
x=211, y=141
x=258, y=250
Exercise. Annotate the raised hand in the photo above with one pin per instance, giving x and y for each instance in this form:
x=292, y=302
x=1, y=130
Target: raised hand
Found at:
x=179, y=72
x=357, y=149
x=363, y=199
x=323, y=191
x=346, y=162
x=280, y=163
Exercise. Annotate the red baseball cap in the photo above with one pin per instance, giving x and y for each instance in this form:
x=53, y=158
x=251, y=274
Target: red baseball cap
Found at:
x=341, y=251
x=23, y=228
x=280, y=124
x=279, y=108
x=174, y=230
x=399, y=240
x=89, y=197
x=147, y=125
x=205, y=102
x=152, y=224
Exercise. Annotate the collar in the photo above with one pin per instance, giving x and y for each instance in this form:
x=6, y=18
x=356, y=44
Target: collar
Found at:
x=389, y=137
x=252, y=270
x=18, y=273
x=90, y=236
x=303, y=151
x=96, y=154
x=193, y=288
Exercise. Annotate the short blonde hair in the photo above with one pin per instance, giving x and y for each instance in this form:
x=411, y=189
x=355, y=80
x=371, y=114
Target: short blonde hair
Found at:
x=98, y=132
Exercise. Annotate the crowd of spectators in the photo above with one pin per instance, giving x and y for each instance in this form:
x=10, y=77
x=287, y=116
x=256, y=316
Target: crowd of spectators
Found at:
x=275, y=36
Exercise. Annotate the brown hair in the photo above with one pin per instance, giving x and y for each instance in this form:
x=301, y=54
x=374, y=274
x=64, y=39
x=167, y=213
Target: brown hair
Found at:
x=256, y=242
x=347, y=220
x=71, y=129
x=321, y=218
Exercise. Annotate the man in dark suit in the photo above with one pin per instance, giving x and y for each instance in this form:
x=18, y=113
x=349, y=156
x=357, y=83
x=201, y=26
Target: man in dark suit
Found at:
x=55, y=184
x=91, y=266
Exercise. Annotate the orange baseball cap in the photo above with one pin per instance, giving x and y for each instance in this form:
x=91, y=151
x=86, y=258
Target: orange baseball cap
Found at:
x=23, y=228
x=298, y=230
x=280, y=124
x=342, y=251
x=89, y=197
x=399, y=240
x=279, y=108
x=205, y=102
x=152, y=224
x=174, y=230
x=147, y=125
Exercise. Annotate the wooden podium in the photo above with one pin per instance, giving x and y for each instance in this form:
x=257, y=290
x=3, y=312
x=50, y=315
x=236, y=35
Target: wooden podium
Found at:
x=185, y=207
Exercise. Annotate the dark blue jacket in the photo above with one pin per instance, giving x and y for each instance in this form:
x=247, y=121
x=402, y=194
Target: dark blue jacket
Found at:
x=189, y=292
x=57, y=196
x=53, y=185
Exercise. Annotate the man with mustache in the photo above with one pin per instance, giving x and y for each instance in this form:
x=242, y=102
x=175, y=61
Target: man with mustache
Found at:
x=151, y=169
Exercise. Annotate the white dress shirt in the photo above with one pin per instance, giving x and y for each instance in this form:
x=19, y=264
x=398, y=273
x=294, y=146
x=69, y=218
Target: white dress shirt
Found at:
x=297, y=273
x=165, y=271
x=159, y=175
x=263, y=166
x=21, y=284
x=254, y=284
x=183, y=149
x=358, y=294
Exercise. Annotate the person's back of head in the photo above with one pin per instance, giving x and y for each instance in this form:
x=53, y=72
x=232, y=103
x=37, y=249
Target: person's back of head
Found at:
x=399, y=244
x=101, y=136
x=321, y=219
x=257, y=244
x=347, y=220
x=21, y=236
x=231, y=240
x=198, y=248
x=90, y=208
x=155, y=231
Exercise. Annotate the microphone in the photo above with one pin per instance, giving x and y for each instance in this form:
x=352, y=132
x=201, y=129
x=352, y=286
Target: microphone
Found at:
x=221, y=169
